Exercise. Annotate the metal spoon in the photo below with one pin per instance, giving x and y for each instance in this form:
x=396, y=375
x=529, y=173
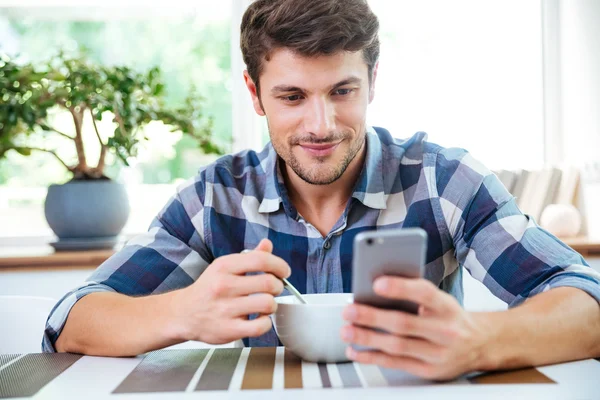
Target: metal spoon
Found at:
x=293, y=290
x=287, y=285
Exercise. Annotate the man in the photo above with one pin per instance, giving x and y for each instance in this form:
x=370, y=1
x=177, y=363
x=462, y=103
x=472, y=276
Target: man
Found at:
x=324, y=177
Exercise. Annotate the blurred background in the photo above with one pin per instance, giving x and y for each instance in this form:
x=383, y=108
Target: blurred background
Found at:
x=515, y=82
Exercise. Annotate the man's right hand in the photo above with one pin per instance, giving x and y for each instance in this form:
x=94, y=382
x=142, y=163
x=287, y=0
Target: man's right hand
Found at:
x=215, y=308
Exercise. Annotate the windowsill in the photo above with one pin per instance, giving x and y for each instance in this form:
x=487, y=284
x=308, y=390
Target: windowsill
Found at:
x=584, y=245
x=45, y=257
x=36, y=253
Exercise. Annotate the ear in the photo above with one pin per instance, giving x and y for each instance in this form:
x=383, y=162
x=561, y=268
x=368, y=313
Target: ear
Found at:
x=254, y=94
x=373, y=79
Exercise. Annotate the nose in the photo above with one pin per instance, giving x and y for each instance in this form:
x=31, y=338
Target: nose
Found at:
x=320, y=117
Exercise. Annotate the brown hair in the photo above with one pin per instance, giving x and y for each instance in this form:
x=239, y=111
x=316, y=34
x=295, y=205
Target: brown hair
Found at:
x=308, y=27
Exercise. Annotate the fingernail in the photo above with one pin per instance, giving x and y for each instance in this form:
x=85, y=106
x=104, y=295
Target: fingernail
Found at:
x=350, y=313
x=347, y=333
x=381, y=285
x=350, y=353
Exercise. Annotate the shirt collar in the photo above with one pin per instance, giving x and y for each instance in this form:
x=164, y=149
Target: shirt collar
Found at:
x=369, y=188
x=271, y=194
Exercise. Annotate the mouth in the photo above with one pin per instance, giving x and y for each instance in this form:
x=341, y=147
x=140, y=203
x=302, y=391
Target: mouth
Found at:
x=319, y=150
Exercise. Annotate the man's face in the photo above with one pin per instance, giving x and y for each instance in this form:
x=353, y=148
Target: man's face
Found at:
x=316, y=110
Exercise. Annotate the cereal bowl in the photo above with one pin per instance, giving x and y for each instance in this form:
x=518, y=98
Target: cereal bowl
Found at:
x=312, y=331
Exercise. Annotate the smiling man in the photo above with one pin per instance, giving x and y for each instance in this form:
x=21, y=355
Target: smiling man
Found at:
x=324, y=177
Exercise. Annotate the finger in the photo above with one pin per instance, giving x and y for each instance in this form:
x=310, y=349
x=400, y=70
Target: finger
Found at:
x=242, y=328
x=395, y=345
x=254, y=261
x=242, y=306
x=265, y=245
x=420, y=291
x=263, y=283
x=407, y=364
x=400, y=323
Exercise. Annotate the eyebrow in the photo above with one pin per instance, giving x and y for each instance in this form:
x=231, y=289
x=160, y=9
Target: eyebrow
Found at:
x=290, y=88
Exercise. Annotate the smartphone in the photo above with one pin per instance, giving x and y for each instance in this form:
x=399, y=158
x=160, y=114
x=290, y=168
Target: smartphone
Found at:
x=395, y=252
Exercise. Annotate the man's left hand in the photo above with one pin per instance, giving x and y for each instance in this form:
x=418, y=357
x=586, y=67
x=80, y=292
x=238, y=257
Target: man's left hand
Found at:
x=442, y=342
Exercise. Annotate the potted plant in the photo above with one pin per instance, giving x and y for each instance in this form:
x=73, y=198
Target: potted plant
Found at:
x=91, y=209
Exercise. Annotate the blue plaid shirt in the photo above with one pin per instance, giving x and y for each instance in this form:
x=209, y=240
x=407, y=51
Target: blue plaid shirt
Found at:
x=470, y=218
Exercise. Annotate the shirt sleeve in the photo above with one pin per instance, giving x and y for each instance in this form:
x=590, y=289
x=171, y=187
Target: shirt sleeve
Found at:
x=170, y=255
x=500, y=246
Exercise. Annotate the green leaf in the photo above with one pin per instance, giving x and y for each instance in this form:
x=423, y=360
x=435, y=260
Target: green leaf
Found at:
x=23, y=151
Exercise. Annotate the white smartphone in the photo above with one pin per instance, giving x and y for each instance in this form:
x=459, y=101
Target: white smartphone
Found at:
x=395, y=252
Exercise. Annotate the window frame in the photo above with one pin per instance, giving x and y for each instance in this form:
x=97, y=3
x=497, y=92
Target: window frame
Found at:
x=249, y=128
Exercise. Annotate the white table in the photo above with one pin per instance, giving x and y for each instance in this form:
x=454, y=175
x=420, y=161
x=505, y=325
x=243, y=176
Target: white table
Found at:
x=93, y=378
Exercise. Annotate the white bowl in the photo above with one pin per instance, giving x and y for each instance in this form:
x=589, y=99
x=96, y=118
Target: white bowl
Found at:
x=313, y=331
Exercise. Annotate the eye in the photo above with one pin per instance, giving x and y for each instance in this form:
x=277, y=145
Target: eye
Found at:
x=343, y=92
x=292, y=98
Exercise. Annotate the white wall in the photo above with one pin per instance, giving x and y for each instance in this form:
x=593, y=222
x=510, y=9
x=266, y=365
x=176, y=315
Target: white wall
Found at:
x=468, y=72
x=579, y=55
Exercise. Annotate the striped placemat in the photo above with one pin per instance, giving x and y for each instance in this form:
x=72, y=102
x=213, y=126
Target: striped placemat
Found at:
x=234, y=369
x=25, y=375
x=275, y=368
x=6, y=358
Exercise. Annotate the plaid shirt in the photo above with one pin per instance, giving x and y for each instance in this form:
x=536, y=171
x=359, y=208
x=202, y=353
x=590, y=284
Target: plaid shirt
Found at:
x=470, y=218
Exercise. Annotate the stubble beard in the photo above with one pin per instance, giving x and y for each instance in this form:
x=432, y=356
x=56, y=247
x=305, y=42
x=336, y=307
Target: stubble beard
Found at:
x=319, y=173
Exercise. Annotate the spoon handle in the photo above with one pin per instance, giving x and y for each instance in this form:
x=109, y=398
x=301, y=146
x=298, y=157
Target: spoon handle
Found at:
x=293, y=290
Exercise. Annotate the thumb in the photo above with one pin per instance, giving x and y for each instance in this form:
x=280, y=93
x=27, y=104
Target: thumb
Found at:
x=265, y=245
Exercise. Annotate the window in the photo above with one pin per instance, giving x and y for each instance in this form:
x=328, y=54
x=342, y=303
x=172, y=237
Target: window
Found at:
x=468, y=72
x=190, y=43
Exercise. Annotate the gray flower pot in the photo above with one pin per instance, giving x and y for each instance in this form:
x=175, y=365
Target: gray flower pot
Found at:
x=87, y=214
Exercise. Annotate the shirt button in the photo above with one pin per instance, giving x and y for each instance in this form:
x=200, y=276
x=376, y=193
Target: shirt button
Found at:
x=327, y=245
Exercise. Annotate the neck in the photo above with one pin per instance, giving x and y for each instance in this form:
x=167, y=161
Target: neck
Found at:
x=313, y=199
